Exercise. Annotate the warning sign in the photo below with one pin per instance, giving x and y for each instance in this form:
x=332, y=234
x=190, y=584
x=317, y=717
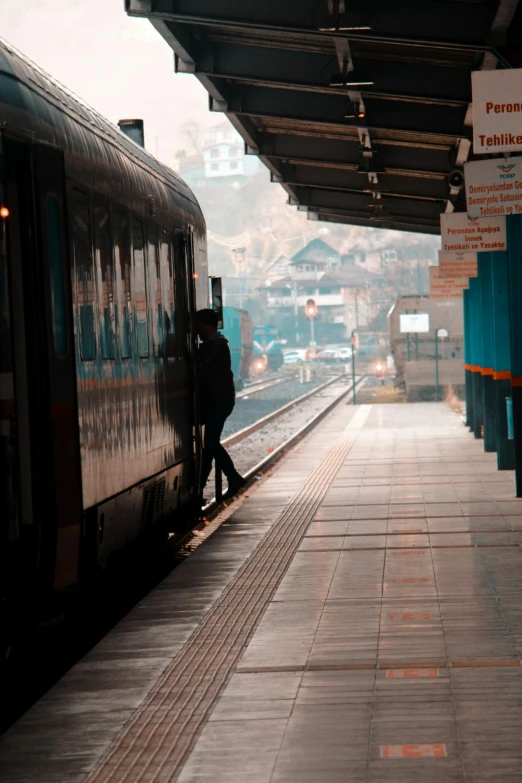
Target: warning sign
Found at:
x=458, y=264
x=460, y=234
x=414, y=322
x=446, y=287
x=497, y=110
x=494, y=187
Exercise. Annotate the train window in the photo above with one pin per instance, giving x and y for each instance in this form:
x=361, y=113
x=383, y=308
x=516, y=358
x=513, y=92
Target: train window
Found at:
x=84, y=277
x=140, y=289
x=55, y=252
x=123, y=303
x=155, y=292
x=168, y=284
x=104, y=271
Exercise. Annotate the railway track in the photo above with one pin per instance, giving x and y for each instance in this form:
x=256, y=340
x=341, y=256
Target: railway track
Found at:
x=277, y=451
x=260, y=386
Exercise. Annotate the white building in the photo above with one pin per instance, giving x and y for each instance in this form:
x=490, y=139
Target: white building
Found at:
x=224, y=154
x=341, y=291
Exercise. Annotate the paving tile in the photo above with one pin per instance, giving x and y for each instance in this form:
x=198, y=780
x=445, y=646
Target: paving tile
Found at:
x=390, y=650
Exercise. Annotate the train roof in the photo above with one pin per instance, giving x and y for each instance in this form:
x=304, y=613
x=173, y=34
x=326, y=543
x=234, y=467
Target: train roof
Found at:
x=35, y=104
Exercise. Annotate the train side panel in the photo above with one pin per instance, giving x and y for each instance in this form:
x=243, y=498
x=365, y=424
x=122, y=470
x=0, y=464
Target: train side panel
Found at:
x=119, y=445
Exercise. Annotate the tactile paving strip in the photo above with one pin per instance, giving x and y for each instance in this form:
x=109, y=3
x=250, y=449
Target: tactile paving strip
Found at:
x=154, y=745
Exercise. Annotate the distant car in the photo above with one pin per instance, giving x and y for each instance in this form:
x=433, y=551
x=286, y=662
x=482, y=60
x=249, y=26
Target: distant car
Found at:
x=335, y=355
x=344, y=354
x=292, y=357
x=327, y=356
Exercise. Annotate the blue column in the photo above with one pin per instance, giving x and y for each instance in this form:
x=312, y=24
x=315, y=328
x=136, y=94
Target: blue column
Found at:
x=486, y=335
x=514, y=253
x=501, y=356
x=476, y=356
x=467, y=357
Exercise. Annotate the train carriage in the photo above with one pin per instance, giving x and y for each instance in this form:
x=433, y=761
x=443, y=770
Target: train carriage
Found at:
x=414, y=352
x=102, y=263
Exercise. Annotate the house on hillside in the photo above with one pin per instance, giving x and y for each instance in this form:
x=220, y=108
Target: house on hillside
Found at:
x=341, y=291
x=223, y=161
x=224, y=155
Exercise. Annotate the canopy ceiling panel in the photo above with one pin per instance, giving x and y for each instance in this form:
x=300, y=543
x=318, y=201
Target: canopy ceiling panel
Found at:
x=359, y=108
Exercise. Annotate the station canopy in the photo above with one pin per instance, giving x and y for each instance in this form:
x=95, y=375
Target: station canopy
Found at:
x=361, y=109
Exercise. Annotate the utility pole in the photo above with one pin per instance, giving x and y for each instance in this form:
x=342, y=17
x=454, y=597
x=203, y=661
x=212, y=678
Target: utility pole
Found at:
x=296, y=313
x=240, y=253
x=441, y=332
x=311, y=312
x=353, y=367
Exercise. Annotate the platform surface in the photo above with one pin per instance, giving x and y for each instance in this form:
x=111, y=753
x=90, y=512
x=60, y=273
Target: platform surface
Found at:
x=358, y=618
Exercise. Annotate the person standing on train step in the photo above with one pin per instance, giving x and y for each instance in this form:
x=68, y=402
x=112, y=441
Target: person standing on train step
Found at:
x=217, y=395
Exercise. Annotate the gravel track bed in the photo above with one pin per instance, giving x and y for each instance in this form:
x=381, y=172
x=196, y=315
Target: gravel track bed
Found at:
x=249, y=410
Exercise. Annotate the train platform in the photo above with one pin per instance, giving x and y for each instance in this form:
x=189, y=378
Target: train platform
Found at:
x=358, y=617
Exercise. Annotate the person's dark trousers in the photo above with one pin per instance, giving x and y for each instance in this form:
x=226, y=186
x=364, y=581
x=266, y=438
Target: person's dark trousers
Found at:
x=214, y=417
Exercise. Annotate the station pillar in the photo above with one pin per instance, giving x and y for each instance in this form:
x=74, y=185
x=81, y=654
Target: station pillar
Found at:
x=486, y=363
x=467, y=359
x=501, y=356
x=514, y=255
x=476, y=358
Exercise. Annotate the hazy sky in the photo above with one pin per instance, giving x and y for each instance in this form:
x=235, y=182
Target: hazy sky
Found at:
x=121, y=66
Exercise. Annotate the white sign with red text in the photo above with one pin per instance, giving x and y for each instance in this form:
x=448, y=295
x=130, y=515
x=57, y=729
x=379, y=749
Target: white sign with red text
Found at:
x=494, y=187
x=458, y=264
x=446, y=287
x=460, y=234
x=497, y=110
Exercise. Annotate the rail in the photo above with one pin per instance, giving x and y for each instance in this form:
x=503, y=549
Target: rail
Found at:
x=260, y=386
x=240, y=435
x=212, y=507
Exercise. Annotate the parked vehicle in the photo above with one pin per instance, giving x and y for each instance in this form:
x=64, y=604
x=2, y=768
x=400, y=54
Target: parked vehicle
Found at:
x=327, y=355
x=336, y=355
x=296, y=356
x=344, y=354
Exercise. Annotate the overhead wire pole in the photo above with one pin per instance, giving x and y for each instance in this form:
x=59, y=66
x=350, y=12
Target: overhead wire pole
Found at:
x=353, y=366
x=311, y=311
x=240, y=251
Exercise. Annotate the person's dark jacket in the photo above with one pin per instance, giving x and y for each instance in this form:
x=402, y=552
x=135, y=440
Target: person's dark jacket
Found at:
x=216, y=380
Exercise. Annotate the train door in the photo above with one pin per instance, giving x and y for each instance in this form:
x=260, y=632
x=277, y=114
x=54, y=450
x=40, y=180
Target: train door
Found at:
x=186, y=307
x=40, y=503
x=62, y=450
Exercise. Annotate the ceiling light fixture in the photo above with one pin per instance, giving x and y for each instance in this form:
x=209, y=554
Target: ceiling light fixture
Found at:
x=334, y=18
x=338, y=81
x=343, y=29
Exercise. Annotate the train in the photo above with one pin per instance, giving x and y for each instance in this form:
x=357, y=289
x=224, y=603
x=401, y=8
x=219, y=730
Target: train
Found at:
x=267, y=353
x=103, y=262
x=237, y=328
x=414, y=352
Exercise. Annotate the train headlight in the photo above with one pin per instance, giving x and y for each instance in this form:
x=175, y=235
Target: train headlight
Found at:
x=4, y=212
x=260, y=365
x=379, y=367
